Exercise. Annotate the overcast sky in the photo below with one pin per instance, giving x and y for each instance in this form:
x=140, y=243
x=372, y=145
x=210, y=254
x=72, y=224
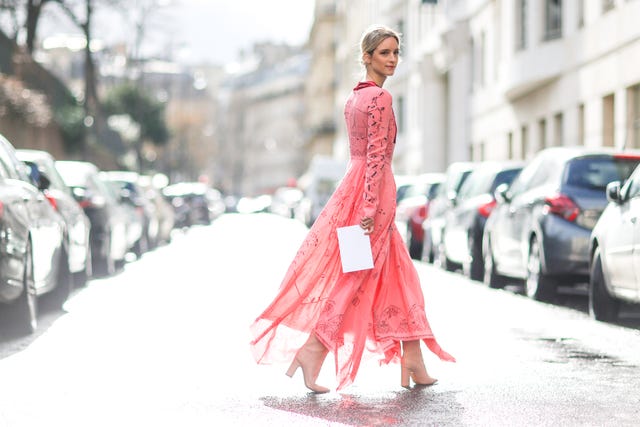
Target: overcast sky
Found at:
x=210, y=30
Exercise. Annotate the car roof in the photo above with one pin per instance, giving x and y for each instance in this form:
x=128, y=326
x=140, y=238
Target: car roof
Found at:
x=25, y=154
x=566, y=153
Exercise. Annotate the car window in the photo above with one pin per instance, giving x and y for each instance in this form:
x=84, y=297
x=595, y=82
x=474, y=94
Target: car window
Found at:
x=478, y=182
x=596, y=172
x=523, y=180
x=633, y=188
x=504, y=177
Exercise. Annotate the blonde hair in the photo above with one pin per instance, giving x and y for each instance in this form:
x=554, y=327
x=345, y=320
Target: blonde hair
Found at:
x=373, y=36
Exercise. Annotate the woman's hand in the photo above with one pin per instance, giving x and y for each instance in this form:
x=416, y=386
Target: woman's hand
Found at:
x=367, y=224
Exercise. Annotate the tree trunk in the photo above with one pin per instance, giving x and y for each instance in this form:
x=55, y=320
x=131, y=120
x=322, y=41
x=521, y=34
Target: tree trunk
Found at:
x=34, y=7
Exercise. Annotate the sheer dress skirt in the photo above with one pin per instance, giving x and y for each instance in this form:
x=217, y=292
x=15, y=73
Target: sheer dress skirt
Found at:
x=354, y=313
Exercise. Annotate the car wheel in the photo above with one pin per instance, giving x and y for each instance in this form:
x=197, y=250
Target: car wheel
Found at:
x=24, y=311
x=491, y=277
x=105, y=264
x=445, y=262
x=81, y=278
x=427, y=249
x=64, y=283
x=141, y=246
x=476, y=264
x=602, y=306
x=538, y=285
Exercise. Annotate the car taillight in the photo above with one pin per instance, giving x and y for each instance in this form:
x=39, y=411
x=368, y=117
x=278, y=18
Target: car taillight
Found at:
x=421, y=213
x=1, y=209
x=562, y=206
x=51, y=200
x=485, y=209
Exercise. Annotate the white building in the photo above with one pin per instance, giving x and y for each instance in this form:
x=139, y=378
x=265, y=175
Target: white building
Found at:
x=501, y=79
x=554, y=72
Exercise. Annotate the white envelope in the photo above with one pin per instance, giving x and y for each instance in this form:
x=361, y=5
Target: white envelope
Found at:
x=355, y=249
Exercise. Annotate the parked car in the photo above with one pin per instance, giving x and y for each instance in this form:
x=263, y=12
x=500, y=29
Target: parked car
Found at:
x=413, y=208
x=433, y=225
x=130, y=191
x=466, y=218
x=108, y=238
x=77, y=224
x=540, y=229
x=615, y=260
x=33, y=256
x=285, y=201
x=164, y=211
x=194, y=203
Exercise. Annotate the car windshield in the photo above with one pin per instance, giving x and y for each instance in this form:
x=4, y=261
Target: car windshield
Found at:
x=596, y=172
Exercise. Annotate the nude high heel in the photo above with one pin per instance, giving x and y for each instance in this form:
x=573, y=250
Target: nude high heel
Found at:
x=310, y=358
x=412, y=366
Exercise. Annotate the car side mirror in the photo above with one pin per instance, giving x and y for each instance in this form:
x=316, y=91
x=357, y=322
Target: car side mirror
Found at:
x=501, y=193
x=43, y=182
x=613, y=192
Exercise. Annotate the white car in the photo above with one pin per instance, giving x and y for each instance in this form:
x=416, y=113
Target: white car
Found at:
x=615, y=251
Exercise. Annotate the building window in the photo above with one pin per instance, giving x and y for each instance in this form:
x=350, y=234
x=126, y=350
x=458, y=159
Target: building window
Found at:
x=553, y=19
x=633, y=116
x=524, y=142
x=521, y=24
x=580, y=6
x=542, y=128
x=607, y=5
x=581, y=132
x=510, y=146
x=608, y=121
x=558, y=131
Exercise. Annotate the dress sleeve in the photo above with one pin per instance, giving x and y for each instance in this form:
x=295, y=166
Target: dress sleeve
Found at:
x=379, y=114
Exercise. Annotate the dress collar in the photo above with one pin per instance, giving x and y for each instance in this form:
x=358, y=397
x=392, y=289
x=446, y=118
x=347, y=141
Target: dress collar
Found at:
x=361, y=85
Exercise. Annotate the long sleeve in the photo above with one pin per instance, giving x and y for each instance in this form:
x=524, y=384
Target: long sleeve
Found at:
x=379, y=116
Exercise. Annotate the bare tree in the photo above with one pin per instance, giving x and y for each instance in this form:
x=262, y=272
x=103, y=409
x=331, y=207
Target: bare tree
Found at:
x=9, y=11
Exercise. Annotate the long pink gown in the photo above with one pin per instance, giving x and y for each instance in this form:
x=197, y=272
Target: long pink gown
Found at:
x=370, y=310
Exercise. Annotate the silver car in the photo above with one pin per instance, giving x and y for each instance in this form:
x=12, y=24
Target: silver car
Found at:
x=615, y=251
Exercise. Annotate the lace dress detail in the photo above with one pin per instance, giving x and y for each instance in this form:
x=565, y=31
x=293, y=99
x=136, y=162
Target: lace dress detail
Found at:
x=371, y=310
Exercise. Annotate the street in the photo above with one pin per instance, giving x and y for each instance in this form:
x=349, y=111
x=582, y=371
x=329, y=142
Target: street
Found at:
x=165, y=343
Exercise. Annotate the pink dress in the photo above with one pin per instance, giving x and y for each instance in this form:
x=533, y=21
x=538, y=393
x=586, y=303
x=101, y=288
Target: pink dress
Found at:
x=370, y=310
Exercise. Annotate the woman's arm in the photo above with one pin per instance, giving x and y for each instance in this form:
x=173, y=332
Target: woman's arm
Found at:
x=379, y=117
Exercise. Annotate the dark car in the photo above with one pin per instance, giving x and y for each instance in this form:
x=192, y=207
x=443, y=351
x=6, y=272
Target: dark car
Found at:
x=413, y=207
x=77, y=224
x=127, y=186
x=615, y=259
x=540, y=229
x=433, y=224
x=466, y=218
x=108, y=237
x=33, y=257
x=194, y=203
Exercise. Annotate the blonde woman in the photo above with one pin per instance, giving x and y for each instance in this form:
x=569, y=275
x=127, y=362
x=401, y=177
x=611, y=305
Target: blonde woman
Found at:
x=318, y=308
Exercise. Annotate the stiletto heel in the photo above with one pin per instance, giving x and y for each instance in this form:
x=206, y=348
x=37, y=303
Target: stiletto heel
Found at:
x=310, y=358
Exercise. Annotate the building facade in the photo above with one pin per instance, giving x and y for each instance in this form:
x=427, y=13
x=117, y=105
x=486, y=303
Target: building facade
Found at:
x=501, y=79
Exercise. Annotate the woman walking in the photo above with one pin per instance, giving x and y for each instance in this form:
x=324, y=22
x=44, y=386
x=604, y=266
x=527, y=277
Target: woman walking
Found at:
x=318, y=308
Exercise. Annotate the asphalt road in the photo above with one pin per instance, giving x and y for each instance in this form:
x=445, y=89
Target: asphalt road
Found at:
x=165, y=343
